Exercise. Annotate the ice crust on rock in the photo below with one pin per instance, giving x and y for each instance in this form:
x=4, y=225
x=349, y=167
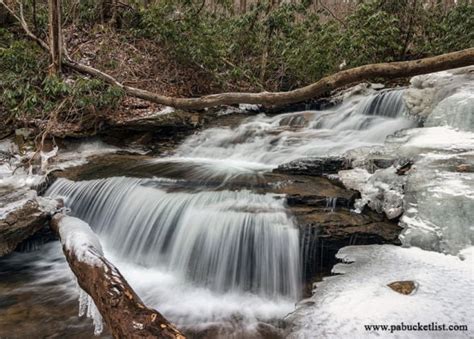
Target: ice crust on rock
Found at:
x=427, y=90
x=435, y=197
x=381, y=191
x=343, y=304
x=456, y=111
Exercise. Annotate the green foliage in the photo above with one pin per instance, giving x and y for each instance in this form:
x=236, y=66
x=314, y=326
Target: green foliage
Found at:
x=300, y=48
x=272, y=48
x=26, y=90
x=372, y=35
x=452, y=31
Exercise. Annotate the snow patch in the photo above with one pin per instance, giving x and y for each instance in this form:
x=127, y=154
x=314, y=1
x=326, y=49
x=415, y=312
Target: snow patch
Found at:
x=343, y=304
x=77, y=236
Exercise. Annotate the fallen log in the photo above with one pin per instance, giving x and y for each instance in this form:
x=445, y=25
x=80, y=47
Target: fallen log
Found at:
x=125, y=315
x=390, y=70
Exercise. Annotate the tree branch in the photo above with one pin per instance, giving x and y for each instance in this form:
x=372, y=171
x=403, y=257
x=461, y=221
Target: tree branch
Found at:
x=323, y=86
x=122, y=310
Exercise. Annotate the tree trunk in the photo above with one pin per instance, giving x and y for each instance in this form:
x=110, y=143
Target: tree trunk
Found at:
x=122, y=310
x=243, y=6
x=55, y=36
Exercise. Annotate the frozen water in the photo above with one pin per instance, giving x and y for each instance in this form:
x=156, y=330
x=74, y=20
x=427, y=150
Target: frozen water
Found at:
x=343, y=304
x=87, y=307
x=381, y=191
x=456, y=111
x=426, y=91
x=77, y=237
x=436, y=194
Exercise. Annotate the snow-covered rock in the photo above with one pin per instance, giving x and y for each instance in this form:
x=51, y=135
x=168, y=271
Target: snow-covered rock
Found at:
x=381, y=191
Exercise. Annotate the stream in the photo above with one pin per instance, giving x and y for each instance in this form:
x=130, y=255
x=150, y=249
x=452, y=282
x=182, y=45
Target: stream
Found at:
x=197, y=234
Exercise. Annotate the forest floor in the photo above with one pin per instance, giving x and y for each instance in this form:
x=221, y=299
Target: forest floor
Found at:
x=138, y=62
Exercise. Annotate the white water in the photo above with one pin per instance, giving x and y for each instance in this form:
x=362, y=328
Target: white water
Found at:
x=208, y=257
x=224, y=240
x=262, y=140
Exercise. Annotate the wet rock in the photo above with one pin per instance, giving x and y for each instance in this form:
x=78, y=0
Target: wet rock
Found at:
x=314, y=166
x=343, y=224
x=403, y=287
x=21, y=219
x=323, y=231
x=464, y=168
x=19, y=225
x=402, y=169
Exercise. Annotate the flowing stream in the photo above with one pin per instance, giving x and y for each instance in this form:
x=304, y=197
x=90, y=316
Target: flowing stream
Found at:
x=215, y=256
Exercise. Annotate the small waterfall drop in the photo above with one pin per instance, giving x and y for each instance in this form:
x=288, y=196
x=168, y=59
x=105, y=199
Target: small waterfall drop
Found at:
x=269, y=141
x=224, y=240
x=387, y=103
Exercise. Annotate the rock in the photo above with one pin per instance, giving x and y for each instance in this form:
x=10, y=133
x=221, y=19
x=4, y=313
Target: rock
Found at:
x=324, y=231
x=464, y=168
x=343, y=224
x=22, y=219
x=403, y=287
x=323, y=213
x=402, y=169
x=314, y=166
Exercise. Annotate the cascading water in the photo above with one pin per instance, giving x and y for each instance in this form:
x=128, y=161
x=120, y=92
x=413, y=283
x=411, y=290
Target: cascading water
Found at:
x=206, y=255
x=263, y=142
x=224, y=240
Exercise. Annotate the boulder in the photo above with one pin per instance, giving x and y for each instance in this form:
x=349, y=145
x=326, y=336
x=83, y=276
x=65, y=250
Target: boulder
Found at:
x=21, y=219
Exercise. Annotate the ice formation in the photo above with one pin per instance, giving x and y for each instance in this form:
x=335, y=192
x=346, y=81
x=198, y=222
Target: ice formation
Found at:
x=77, y=237
x=427, y=90
x=436, y=196
x=381, y=191
x=87, y=308
x=343, y=304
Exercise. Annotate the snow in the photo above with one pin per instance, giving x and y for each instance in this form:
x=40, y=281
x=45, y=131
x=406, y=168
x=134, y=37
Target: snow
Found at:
x=381, y=191
x=77, y=236
x=343, y=304
x=436, y=138
x=164, y=111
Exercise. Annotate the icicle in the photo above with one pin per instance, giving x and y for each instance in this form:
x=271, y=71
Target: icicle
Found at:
x=87, y=307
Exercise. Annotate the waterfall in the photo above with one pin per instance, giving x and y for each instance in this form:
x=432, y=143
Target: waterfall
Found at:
x=203, y=253
x=269, y=141
x=387, y=103
x=224, y=240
